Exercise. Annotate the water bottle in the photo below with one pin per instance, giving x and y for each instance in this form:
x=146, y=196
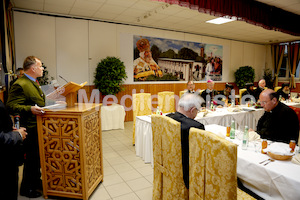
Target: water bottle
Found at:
x=212, y=106
x=245, y=138
x=17, y=121
x=232, y=130
x=157, y=110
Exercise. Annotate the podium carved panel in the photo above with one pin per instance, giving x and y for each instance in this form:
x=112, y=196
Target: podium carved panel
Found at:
x=92, y=140
x=70, y=143
x=61, y=144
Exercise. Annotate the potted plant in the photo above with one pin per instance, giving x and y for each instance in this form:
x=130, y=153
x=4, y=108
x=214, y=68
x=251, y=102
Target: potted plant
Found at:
x=268, y=76
x=110, y=75
x=243, y=75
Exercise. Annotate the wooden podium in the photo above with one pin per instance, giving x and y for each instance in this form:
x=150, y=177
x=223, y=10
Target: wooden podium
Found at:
x=69, y=91
x=70, y=144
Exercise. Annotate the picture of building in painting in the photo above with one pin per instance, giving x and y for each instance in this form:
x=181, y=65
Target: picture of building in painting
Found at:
x=182, y=69
x=157, y=59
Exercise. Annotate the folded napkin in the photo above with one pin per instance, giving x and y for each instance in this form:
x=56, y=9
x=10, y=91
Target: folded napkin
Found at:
x=253, y=136
x=234, y=109
x=279, y=148
x=296, y=159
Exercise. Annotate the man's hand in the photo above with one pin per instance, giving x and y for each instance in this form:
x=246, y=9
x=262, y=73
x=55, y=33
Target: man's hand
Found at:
x=36, y=110
x=23, y=132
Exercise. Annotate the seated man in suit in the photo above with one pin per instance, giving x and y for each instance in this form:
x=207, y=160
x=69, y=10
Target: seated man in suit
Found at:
x=279, y=122
x=249, y=93
x=209, y=94
x=284, y=91
x=226, y=94
x=190, y=87
x=187, y=110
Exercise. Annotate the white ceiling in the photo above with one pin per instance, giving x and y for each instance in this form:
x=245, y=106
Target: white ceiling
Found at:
x=165, y=16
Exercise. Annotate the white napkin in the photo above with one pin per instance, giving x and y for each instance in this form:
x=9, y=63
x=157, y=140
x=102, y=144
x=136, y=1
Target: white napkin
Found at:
x=279, y=148
x=234, y=109
x=253, y=136
x=296, y=159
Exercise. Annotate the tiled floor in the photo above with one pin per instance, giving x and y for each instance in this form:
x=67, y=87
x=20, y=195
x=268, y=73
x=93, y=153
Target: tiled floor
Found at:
x=126, y=176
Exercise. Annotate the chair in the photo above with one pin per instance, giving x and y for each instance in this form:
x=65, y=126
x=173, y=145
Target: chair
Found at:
x=181, y=93
x=277, y=88
x=141, y=104
x=241, y=91
x=297, y=111
x=213, y=162
x=166, y=102
x=168, y=176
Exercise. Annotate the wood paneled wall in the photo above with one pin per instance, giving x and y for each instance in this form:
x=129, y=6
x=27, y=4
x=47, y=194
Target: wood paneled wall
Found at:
x=155, y=88
x=148, y=88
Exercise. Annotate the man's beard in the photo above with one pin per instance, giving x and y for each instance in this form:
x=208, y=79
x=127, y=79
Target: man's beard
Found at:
x=286, y=91
x=226, y=93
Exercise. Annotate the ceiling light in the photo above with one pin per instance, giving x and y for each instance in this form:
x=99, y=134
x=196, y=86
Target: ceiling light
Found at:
x=221, y=20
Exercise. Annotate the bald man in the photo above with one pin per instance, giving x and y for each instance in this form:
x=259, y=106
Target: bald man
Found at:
x=279, y=122
x=260, y=88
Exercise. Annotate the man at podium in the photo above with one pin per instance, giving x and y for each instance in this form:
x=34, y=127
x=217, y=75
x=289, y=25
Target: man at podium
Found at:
x=26, y=99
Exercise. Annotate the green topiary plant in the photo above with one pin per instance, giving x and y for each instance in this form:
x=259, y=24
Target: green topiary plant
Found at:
x=268, y=76
x=110, y=75
x=243, y=75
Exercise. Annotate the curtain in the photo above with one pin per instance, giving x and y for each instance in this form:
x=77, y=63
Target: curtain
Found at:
x=253, y=12
x=7, y=40
x=293, y=61
x=277, y=55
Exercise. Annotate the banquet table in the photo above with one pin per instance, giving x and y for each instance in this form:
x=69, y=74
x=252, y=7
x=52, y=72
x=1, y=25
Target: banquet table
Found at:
x=143, y=131
x=276, y=180
x=224, y=116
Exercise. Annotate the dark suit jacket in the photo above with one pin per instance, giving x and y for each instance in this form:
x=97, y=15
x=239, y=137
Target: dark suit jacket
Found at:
x=10, y=141
x=284, y=95
x=281, y=124
x=257, y=92
x=23, y=94
x=212, y=94
x=186, y=124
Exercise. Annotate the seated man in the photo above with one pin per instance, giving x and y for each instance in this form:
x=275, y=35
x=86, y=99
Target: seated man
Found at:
x=209, y=94
x=260, y=88
x=279, y=122
x=188, y=107
x=249, y=92
x=190, y=87
x=284, y=91
x=226, y=94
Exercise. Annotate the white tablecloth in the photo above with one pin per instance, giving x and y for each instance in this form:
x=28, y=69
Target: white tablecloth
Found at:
x=224, y=117
x=112, y=117
x=143, y=132
x=143, y=138
x=277, y=180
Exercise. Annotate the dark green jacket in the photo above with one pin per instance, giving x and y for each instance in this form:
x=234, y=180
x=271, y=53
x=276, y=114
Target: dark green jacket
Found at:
x=23, y=94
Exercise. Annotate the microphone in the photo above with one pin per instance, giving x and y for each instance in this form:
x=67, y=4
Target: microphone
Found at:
x=63, y=78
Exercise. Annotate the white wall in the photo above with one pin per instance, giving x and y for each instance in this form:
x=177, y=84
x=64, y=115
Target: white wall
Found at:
x=72, y=48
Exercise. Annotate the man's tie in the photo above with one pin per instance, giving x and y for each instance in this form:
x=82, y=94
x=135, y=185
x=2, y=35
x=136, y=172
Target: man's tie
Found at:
x=37, y=81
